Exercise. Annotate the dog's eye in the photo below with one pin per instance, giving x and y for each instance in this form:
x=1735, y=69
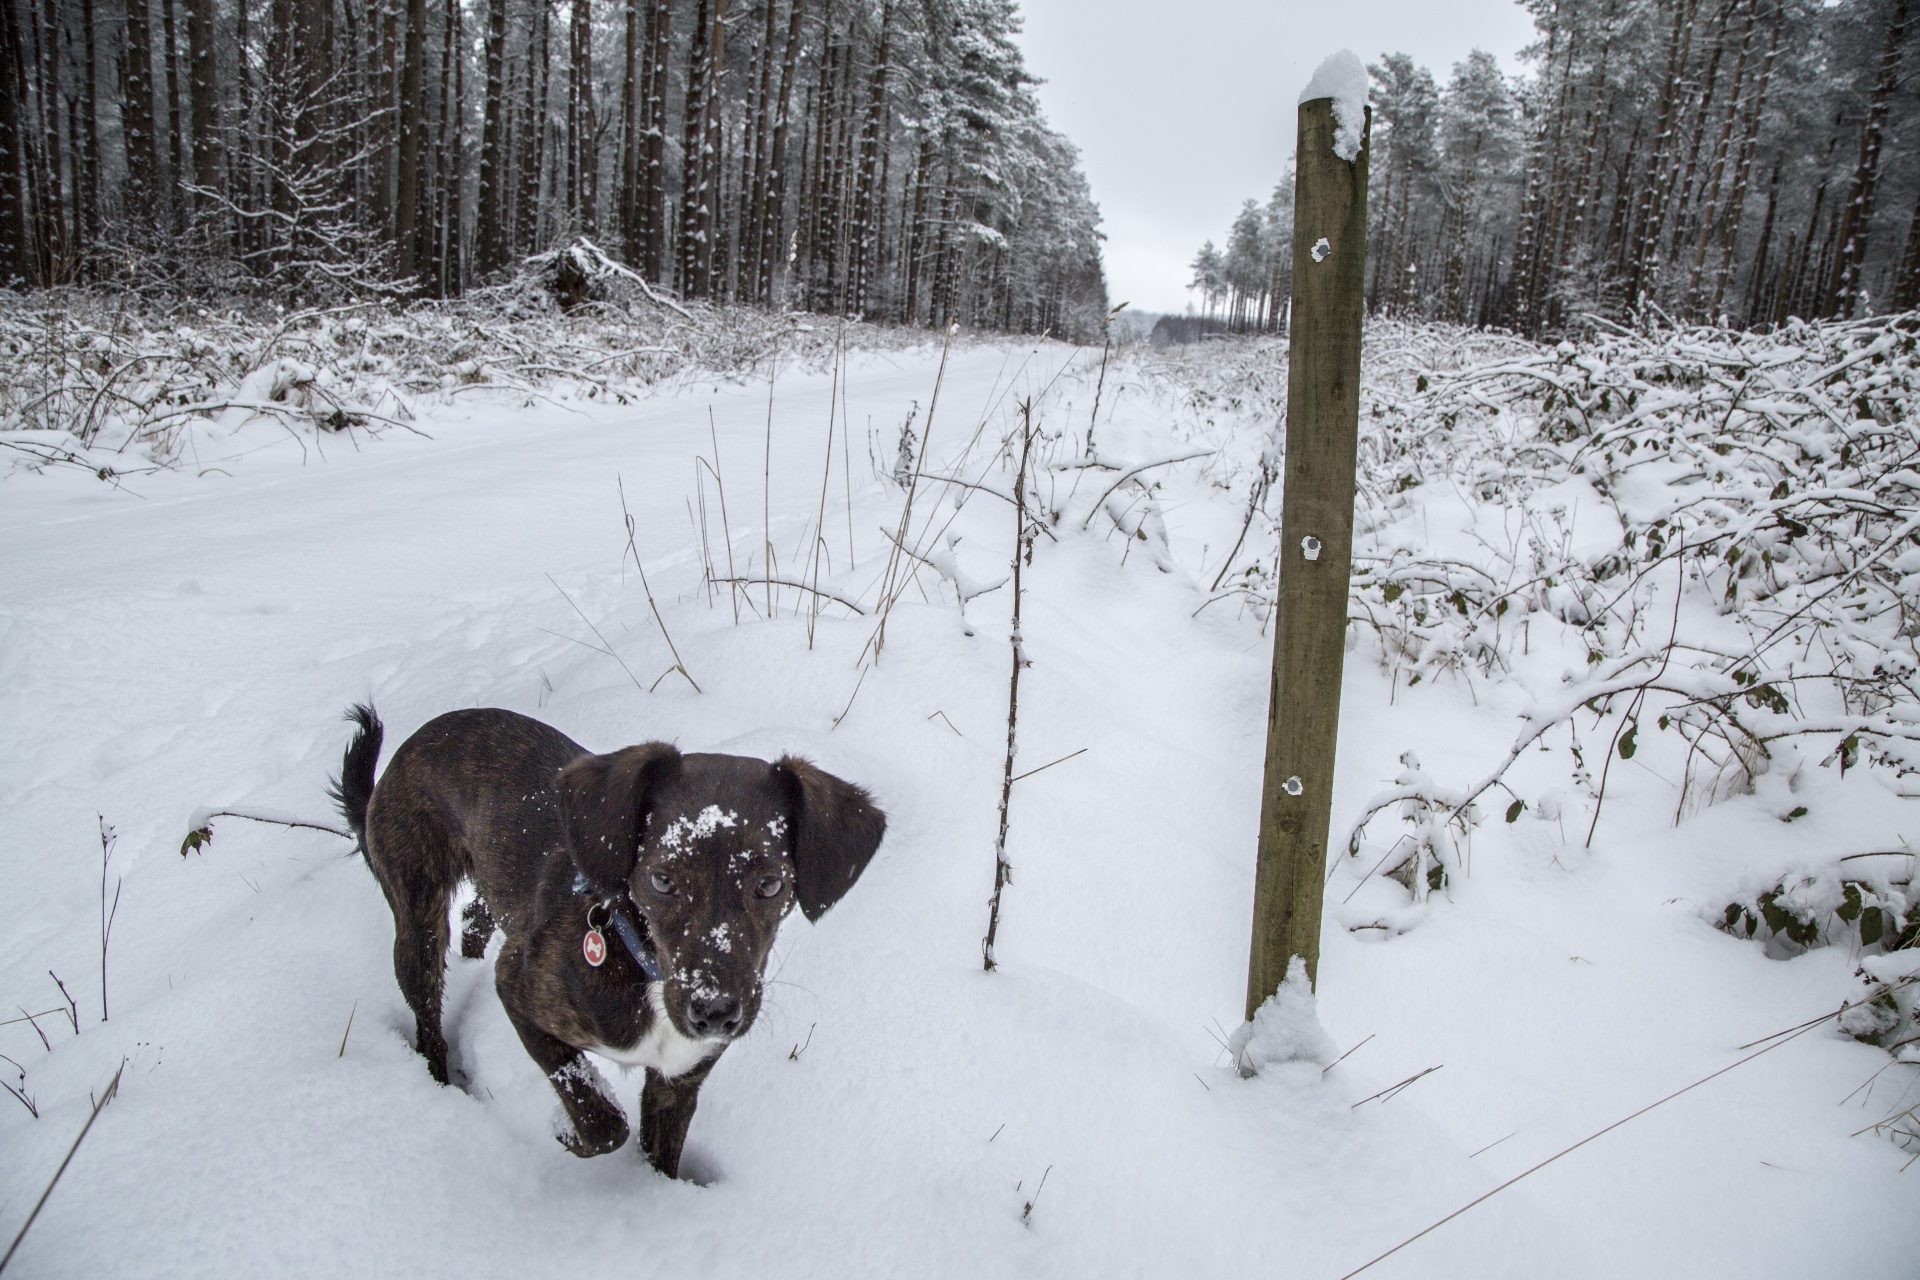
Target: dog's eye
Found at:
x=662, y=883
x=770, y=886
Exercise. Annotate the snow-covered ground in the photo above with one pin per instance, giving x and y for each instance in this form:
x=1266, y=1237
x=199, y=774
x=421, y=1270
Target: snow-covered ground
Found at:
x=189, y=640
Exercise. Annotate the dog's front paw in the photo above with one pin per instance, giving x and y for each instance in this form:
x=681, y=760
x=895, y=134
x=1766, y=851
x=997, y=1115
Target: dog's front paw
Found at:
x=594, y=1135
x=592, y=1123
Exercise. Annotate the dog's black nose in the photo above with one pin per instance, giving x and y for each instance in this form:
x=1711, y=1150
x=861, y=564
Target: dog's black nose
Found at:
x=713, y=1015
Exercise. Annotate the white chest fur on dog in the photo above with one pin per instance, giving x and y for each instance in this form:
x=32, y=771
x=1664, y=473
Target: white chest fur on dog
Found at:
x=662, y=1048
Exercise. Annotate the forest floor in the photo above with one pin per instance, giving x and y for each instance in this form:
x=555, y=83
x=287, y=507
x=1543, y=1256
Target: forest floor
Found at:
x=189, y=638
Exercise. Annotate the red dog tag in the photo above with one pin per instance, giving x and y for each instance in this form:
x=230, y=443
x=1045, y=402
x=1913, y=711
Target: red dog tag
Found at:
x=594, y=947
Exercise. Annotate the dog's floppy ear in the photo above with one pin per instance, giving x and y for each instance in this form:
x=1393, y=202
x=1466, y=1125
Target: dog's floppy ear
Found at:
x=604, y=802
x=836, y=829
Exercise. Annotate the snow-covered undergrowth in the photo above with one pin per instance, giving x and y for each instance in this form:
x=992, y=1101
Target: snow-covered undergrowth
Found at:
x=1494, y=991
x=1725, y=525
x=112, y=385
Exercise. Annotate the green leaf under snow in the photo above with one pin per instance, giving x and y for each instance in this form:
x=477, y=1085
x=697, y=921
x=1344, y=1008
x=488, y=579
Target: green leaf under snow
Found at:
x=1873, y=926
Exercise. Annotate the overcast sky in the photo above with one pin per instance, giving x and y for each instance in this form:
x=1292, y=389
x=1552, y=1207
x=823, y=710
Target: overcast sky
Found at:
x=1181, y=111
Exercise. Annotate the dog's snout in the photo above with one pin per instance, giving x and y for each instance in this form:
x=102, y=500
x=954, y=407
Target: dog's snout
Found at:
x=715, y=1015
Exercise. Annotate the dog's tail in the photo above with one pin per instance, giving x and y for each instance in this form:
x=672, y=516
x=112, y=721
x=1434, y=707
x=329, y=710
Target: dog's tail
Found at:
x=353, y=789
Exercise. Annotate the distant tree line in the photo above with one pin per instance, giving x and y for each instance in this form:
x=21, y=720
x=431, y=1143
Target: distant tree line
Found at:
x=1746, y=159
x=1246, y=287
x=885, y=158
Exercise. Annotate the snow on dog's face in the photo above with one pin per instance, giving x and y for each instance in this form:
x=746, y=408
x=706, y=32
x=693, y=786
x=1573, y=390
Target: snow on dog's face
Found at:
x=713, y=882
x=713, y=851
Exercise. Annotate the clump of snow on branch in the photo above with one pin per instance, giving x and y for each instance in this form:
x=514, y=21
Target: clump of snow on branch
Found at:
x=1342, y=77
x=1285, y=1028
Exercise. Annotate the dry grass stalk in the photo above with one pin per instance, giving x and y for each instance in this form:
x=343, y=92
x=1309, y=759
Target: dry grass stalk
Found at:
x=1022, y=550
x=603, y=646
x=1776, y=1041
x=726, y=526
x=113, y=1089
x=633, y=552
x=107, y=914
x=890, y=576
x=834, y=392
x=20, y=1093
x=797, y=586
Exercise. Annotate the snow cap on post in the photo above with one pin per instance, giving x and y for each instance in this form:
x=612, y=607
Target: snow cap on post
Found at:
x=1343, y=78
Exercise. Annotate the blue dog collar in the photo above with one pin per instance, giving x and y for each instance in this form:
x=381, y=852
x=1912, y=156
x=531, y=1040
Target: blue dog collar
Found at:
x=636, y=946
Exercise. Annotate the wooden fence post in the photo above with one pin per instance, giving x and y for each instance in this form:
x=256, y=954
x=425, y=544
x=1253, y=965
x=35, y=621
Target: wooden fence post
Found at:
x=1316, y=550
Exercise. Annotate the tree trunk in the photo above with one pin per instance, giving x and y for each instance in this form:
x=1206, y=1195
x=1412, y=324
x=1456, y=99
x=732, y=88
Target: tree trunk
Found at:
x=490, y=250
x=310, y=69
x=583, y=168
x=1457, y=288
x=1533, y=210
x=454, y=264
x=1620, y=223
x=813, y=195
x=250, y=141
x=1906, y=281
x=1731, y=217
x=136, y=111
x=1856, y=215
x=1756, y=283
x=1643, y=235
x=90, y=116
x=1709, y=199
x=1798, y=270
x=630, y=135
x=865, y=215
x=177, y=173
x=773, y=246
x=693, y=132
x=446, y=125
x=52, y=202
x=407, y=204
x=204, y=92
x=753, y=204
x=1681, y=198
x=707, y=196
x=653, y=194
x=15, y=210
x=533, y=135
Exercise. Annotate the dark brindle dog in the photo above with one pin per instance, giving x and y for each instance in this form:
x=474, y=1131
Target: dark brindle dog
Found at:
x=639, y=893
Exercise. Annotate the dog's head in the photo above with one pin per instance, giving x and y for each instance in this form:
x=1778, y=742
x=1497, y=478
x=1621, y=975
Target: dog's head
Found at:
x=714, y=851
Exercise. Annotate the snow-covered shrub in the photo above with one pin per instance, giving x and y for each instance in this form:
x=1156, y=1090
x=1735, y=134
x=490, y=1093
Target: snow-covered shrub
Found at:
x=1774, y=474
x=1727, y=523
x=1886, y=1012
x=582, y=272
x=1812, y=910
x=116, y=384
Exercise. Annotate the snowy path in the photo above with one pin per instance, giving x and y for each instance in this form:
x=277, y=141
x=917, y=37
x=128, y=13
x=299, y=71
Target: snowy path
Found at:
x=195, y=644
